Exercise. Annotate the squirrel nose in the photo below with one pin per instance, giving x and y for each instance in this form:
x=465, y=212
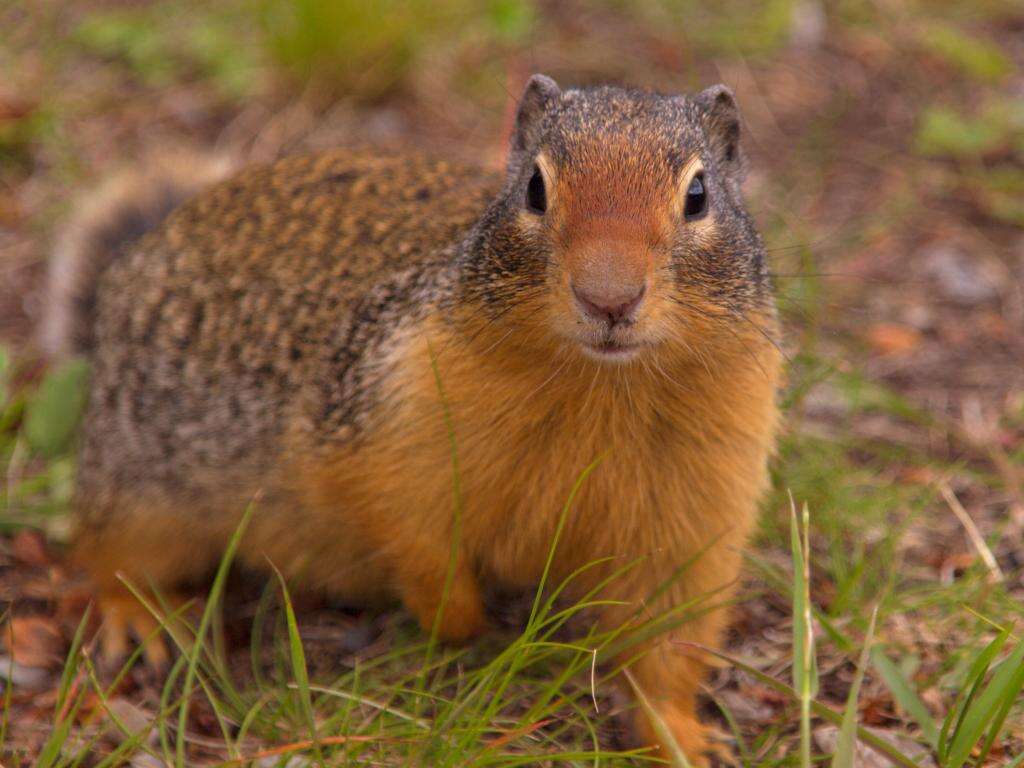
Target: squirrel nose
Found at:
x=612, y=306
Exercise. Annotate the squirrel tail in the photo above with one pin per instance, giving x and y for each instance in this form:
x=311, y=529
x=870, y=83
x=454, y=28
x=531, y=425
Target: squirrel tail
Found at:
x=106, y=221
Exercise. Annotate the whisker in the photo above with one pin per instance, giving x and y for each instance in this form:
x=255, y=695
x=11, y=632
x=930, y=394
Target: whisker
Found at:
x=521, y=297
x=727, y=326
x=590, y=389
x=767, y=336
x=670, y=379
x=629, y=392
x=501, y=339
x=806, y=275
x=548, y=379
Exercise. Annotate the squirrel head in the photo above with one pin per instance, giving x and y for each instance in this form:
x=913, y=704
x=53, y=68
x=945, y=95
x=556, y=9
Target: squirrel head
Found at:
x=620, y=230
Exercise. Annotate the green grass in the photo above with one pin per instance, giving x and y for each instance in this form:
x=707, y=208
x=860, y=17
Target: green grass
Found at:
x=510, y=701
x=495, y=705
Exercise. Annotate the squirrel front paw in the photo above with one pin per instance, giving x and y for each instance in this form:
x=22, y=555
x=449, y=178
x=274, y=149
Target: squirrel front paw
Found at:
x=685, y=730
x=124, y=618
x=463, y=617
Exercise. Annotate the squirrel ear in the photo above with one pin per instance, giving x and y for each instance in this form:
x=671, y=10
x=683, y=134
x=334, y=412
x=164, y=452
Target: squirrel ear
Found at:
x=540, y=93
x=721, y=121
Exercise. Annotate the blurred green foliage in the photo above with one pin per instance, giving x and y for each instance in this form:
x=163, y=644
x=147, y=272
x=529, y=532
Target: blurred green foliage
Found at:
x=164, y=44
x=53, y=412
x=37, y=430
x=359, y=47
x=973, y=55
x=17, y=133
x=728, y=27
x=997, y=129
x=5, y=375
x=132, y=37
x=368, y=49
x=987, y=147
x=999, y=192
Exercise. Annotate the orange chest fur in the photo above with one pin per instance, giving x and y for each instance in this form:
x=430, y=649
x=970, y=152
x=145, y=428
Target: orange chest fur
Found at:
x=675, y=459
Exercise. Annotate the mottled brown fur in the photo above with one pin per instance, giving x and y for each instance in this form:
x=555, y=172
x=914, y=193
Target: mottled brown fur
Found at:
x=283, y=334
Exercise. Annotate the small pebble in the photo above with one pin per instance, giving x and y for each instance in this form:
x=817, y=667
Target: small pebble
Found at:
x=960, y=277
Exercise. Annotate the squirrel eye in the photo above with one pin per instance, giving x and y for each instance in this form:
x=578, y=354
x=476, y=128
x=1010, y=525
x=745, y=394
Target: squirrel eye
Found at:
x=536, y=197
x=696, y=199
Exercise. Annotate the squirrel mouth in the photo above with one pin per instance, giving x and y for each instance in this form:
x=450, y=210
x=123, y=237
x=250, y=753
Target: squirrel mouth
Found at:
x=612, y=351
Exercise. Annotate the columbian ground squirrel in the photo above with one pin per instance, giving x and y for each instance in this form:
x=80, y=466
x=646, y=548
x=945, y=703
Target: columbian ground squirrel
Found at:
x=285, y=332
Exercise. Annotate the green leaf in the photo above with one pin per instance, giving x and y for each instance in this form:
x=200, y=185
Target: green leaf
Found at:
x=906, y=696
x=53, y=412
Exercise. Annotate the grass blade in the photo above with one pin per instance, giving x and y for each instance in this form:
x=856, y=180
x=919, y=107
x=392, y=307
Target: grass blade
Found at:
x=846, y=745
x=972, y=684
x=8, y=684
x=69, y=699
x=906, y=696
x=193, y=657
x=876, y=743
x=677, y=757
x=990, y=708
x=299, y=669
x=558, y=534
x=805, y=672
